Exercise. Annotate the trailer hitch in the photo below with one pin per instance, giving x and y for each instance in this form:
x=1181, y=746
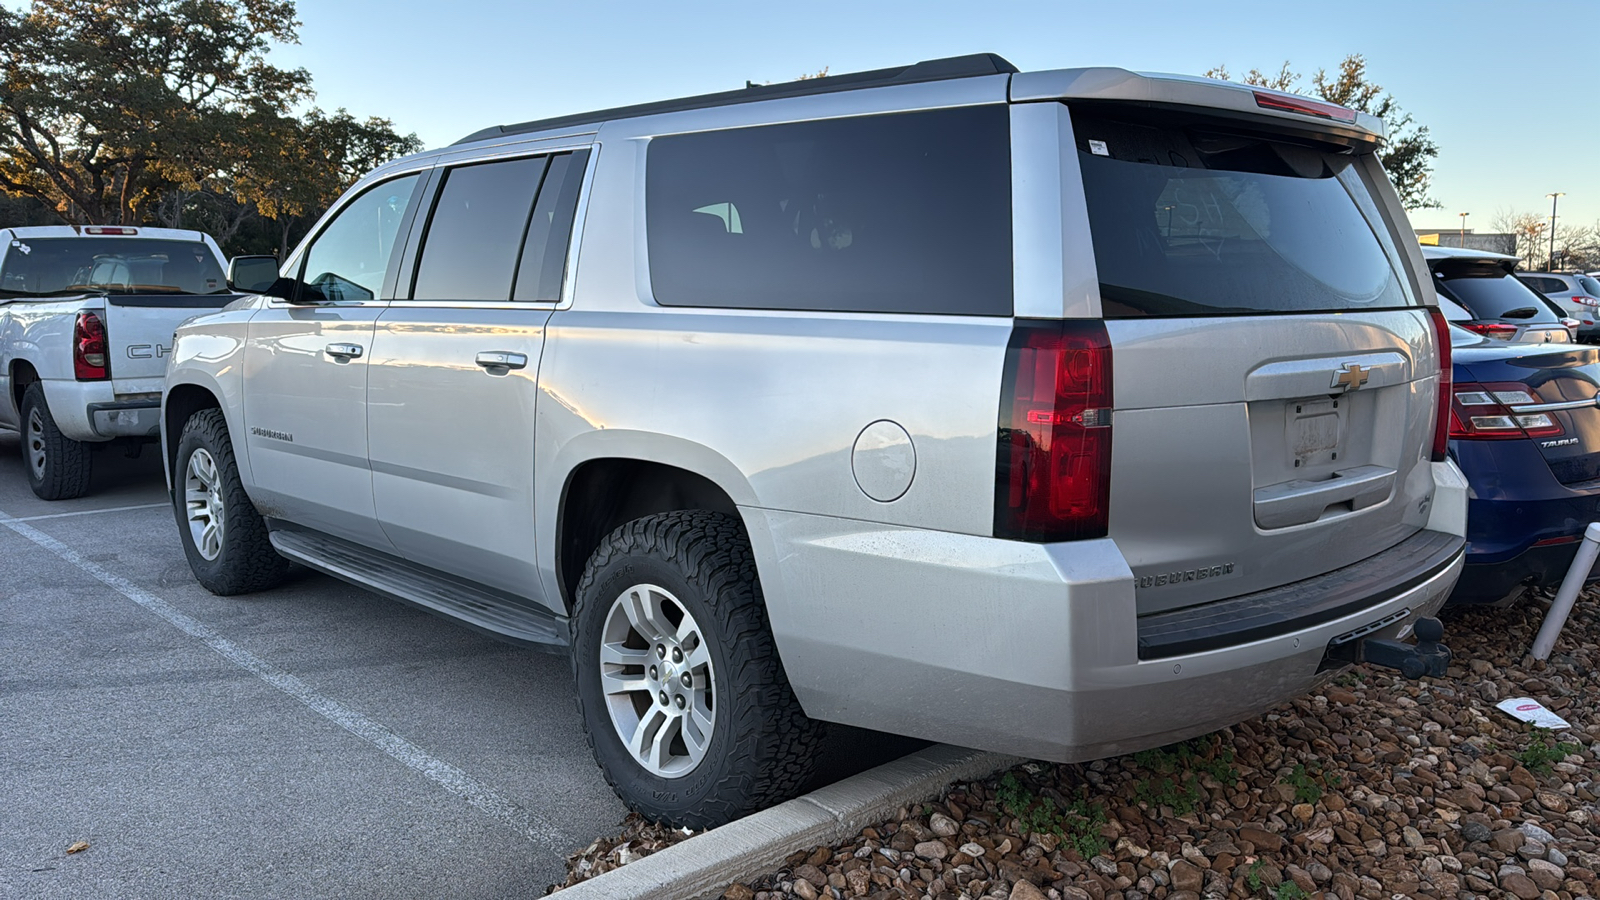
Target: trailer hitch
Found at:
x=1426, y=657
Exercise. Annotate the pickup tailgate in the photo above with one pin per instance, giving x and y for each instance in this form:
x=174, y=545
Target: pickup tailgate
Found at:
x=139, y=328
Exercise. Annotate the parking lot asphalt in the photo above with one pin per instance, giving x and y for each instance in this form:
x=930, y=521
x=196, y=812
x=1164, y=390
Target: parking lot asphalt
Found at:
x=313, y=740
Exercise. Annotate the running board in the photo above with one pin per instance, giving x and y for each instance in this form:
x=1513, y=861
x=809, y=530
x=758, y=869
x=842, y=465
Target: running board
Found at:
x=484, y=609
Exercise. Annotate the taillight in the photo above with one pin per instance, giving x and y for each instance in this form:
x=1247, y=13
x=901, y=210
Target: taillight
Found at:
x=1304, y=106
x=1053, y=468
x=1586, y=301
x=1483, y=412
x=1492, y=329
x=89, y=348
x=1441, y=419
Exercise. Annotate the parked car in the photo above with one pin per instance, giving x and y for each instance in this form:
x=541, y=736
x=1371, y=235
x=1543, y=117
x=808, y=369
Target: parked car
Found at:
x=1485, y=285
x=1525, y=429
x=1574, y=293
x=707, y=392
x=86, y=321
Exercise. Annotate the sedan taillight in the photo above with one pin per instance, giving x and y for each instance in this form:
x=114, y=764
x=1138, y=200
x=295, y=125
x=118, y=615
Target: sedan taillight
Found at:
x=1483, y=412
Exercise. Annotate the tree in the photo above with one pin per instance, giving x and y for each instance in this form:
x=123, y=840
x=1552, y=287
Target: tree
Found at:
x=292, y=169
x=1408, y=151
x=106, y=104
x=1530, y=230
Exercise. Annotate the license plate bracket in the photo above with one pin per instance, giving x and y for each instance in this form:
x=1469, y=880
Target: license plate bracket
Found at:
x=1314, y=428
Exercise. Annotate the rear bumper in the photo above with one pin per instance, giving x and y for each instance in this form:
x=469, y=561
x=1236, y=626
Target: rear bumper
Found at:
x=92, y=411
x=1030, y=649
x=1515, y=509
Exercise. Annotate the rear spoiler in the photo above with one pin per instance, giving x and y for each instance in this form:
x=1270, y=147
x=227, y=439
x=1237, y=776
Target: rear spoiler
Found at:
x=1234, y=101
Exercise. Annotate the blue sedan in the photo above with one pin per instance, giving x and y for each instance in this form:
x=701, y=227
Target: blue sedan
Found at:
x=1525, y=429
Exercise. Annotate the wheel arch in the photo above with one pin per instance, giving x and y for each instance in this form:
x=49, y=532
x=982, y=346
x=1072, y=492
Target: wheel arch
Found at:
x=22, y=374
x=178, y=404
x=625, y=477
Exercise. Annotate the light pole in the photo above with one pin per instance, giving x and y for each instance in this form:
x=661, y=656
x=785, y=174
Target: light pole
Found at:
x=1550, y=262
x=1463, y=216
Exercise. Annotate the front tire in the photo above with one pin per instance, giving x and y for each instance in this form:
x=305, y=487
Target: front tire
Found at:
x=685, y=701
x=58, y=467
x=223, y=535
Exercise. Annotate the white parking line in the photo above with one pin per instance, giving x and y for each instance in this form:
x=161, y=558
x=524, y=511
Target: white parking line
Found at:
x=87, y=512
x=442, y=773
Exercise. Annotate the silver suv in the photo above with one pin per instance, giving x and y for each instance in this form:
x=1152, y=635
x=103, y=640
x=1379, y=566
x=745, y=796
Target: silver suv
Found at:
x=1577, y=294
x=1062, y=413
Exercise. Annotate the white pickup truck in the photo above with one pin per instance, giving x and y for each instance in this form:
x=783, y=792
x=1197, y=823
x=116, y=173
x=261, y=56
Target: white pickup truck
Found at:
x=86, y=321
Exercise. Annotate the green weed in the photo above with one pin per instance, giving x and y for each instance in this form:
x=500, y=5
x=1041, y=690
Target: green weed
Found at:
x=1077, y=824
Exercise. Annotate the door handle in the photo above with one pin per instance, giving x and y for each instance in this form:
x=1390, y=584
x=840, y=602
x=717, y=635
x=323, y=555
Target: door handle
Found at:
x=501, y=359
x=344, y=352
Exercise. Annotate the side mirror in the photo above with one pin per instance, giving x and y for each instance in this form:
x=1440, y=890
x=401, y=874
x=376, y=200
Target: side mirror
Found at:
x=254, y=274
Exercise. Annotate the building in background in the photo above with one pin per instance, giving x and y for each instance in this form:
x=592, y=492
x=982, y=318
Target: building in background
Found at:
x=1452, y=237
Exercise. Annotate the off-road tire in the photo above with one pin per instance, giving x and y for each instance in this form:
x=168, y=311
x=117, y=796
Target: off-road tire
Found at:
x=247, y=562
x=763, y=747
x=67, y=463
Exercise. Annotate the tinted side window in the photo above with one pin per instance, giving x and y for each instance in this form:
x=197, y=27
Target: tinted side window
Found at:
x=348, y=260
x=476, y=229
x=905, y=213
x=544, y=251
x=1544, y=285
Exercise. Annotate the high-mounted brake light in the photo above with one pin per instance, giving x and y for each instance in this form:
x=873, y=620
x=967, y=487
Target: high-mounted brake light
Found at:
x=1441, y=419
x=89, y=348
x=1304, y=106
x=1485, y=412
x=108, y=229
x=1053, y=467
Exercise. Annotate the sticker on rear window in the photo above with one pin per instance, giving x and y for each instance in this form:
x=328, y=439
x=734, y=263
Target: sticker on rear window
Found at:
x=24, y=249
x=1098, y=148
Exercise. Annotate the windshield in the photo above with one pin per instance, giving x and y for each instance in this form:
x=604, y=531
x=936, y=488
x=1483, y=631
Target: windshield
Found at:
x=119, y=265
x=1191, y=222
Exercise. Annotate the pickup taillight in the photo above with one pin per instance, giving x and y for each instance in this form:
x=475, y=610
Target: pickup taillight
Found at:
x=89, y=362
x=1053, y=468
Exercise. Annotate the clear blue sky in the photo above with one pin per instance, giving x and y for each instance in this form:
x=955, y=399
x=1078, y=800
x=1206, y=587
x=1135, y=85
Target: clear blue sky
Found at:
x=1509, y=91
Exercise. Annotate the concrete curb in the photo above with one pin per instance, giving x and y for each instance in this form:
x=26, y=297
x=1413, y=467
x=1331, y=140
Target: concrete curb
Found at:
x=705, y=864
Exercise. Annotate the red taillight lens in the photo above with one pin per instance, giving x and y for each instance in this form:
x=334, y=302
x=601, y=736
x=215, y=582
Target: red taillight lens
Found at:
x=1491, y=329
x=1441, y=420
x=89, y=348
x=1304, y=105
x=1586, y=301
x=1485, y=412
x=1053, y=470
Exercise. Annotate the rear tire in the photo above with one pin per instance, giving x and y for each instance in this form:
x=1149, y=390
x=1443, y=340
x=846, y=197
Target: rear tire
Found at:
x=58, y=467
x=673, y=602
x=223, y=536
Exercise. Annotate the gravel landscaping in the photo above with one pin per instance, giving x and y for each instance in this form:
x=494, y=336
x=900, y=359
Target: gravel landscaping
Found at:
x=1372, y=787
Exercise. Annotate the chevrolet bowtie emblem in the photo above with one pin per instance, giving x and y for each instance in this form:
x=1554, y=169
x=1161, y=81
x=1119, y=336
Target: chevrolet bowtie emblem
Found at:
x=1351, y=377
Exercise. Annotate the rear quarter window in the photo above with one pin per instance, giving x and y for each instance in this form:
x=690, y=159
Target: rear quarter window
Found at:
x=903, y=213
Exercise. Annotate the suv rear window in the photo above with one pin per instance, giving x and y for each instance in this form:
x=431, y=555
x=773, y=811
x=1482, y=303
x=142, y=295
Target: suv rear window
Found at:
x=1488, y=292
x=1189, y=219
x=116, y=265
x=903, y=213
x=1589, y=286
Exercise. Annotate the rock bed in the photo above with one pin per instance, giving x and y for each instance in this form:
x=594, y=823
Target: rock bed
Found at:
x=1372, y=787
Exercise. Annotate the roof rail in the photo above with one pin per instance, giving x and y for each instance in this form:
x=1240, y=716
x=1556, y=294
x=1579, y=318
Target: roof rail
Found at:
x=929, y=70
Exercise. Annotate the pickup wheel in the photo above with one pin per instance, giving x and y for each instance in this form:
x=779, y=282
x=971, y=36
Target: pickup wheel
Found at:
x=223, y=535
x=58, y=467
x=685, y=701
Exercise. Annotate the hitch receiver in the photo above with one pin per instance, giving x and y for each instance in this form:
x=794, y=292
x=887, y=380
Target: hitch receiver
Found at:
x=1426, y=657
